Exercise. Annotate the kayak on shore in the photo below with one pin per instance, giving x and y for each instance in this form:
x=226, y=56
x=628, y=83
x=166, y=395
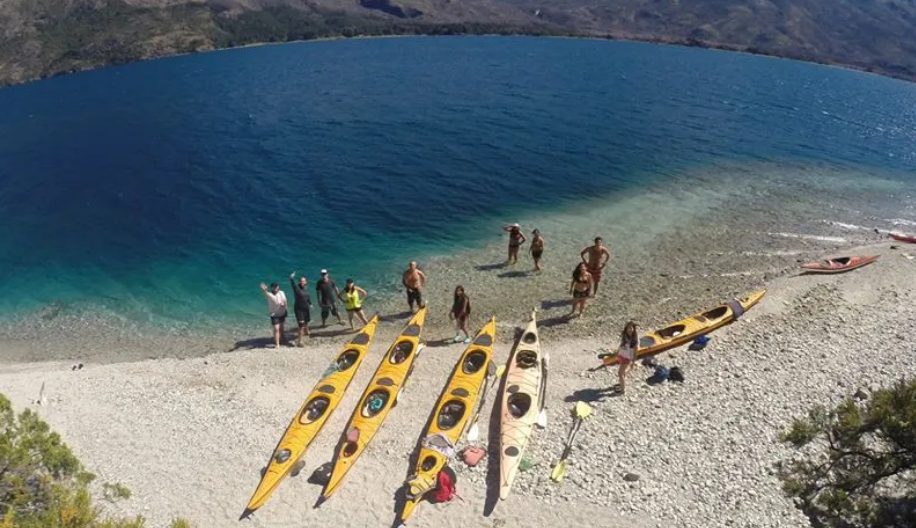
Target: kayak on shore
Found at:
x=839, y=264
x=450, y=416
x=313, y=414
x=689, y=328
x=377, y=400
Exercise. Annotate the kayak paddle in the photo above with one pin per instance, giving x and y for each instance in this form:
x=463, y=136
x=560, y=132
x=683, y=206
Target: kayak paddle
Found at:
x=494, y=373
x=542, y=416
x=581, y=411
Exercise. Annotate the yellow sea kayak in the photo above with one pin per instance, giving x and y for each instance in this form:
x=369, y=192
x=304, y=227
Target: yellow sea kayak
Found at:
x=451, y=414
x=313, y=414
x=521, y=401
x=688, y=329
x=377, y=401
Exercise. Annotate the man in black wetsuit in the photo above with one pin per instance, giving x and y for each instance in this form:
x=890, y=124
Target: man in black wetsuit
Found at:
x=327, y=298
x=303, y=305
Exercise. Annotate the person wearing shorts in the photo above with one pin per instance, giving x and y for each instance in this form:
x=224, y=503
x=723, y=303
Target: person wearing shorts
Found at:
x=302, y=305
x=536, y=249
x=414, y=280
x=626, y=354
x=596, y=258
x=327, y=298
x=353, y=297
x=461, y=311
x=276, y=306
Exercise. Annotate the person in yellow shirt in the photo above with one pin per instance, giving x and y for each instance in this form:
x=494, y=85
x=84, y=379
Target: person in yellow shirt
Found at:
x=353, y=297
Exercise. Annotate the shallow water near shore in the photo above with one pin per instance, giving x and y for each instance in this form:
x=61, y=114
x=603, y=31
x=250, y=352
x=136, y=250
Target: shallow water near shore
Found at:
x=150, y=200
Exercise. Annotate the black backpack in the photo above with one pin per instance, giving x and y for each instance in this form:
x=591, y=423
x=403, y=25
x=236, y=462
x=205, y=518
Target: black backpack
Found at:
x=675, y=374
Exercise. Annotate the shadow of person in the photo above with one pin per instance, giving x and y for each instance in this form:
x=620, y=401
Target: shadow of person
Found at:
x=512, y=274
x=395, y=316
x=554, y=321
x=555, y=303
x=490, y=267
x=590, y=395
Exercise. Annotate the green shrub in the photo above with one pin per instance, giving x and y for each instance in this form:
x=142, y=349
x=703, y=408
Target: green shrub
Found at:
x=43, y=485
x=860, y=468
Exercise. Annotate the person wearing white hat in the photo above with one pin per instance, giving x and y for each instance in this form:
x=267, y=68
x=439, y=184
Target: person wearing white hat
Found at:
x=327, y=292
x=516, y=239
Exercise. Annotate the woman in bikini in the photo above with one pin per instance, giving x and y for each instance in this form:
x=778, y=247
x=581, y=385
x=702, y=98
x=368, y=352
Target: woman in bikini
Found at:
x=516, y=239
x=626, y=354
x=581, y=288
x=461, y=311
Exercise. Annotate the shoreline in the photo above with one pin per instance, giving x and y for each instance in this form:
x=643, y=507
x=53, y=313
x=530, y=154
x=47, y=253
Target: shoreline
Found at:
x=660, y=41
x=187, y=436
x=718, y=241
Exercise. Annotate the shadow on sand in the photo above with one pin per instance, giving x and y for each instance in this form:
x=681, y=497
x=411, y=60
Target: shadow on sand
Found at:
x=512, y=274
x=555, y=321
x=555, y=303
x=592, y=395
x=490, y=267
x=395, y=316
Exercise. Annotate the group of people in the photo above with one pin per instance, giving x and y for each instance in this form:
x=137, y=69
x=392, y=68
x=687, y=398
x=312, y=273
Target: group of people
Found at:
x=586, y=278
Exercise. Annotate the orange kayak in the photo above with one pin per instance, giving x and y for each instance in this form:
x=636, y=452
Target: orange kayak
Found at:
x=839, y=264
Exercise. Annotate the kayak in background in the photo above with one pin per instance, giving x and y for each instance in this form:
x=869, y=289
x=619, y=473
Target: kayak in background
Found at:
x=839, y=264
x=911, y=239
x=688, y=329
x=313, y=414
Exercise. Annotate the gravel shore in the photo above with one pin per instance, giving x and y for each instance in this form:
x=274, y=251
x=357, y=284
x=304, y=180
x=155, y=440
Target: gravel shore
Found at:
x=188, y=436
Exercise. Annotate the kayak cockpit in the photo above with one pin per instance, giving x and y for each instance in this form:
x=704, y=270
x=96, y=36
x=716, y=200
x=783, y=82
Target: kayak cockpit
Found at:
x=518, y=404
x=526, y=359
x=375, y=402
x=314, y=410
x=346, y=359
x=473, y=362
x=401, y=352
x=450, y=414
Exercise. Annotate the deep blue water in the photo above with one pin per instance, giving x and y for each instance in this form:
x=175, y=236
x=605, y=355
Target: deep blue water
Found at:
x=166, y=190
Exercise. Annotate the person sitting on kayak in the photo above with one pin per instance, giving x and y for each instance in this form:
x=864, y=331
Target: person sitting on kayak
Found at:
x=626, y=354
x=461, y=311
x=596, y=258
x=536, y=249
x=516, y=239
x=580, y=288
x=353, y=297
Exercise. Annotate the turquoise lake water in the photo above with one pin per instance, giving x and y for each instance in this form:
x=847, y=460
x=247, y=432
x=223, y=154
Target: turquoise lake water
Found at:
x=164, y=191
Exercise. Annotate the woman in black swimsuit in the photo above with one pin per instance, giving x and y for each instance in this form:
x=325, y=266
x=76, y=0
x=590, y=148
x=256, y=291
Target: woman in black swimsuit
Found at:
x=516, y=239
x=581, y=288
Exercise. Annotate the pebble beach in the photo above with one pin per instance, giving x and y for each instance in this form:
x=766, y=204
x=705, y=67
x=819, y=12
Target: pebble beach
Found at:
x=187, y=429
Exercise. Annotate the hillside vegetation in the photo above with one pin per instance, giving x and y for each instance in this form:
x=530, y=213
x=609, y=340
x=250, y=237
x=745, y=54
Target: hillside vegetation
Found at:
x=40, y=38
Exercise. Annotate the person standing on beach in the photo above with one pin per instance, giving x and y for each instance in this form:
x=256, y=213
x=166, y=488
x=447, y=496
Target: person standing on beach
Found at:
x=327, y=298
x=302, y=305
x=276, y=306
x=596, y=258
x=461, y=311
x=353, y=297
x=626, y=354
x=536, y=249
x=581, y=288
x=414, y=281
x=516, y=239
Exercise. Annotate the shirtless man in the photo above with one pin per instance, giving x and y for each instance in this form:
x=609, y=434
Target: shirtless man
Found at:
x=536, y=249
x=596, y=258
x=414, y=280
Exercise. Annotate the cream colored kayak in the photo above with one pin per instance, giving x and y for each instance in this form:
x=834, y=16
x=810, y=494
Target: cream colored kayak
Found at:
x=377, y=401
x=313, y=414
x=521, y=399
x=451, y=414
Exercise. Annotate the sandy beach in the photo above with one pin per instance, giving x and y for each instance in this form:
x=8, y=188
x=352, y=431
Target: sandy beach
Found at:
x=188, y=436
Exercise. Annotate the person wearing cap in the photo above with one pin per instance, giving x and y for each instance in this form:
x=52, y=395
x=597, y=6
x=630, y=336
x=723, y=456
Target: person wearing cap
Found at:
x=302, y=306
x=536, y=249
x=327, y=298
x=516, y=239
x=414, y=280
x=276, y=307
x=353, y=297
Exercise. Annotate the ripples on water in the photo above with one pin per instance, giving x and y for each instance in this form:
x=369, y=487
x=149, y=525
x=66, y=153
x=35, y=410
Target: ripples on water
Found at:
x=166, y=190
